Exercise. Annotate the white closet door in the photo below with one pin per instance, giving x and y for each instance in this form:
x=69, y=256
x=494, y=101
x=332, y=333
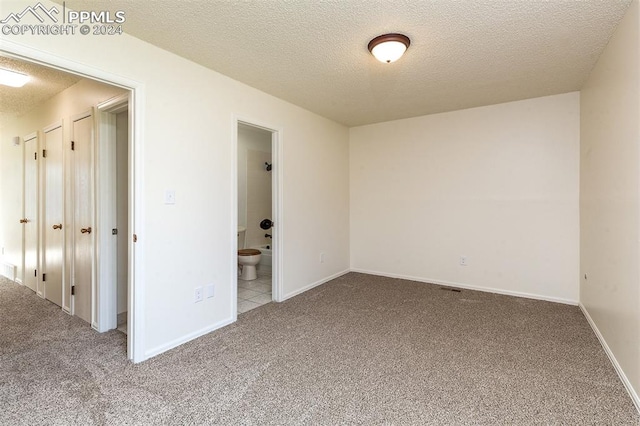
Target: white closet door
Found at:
x=83, y=231
x=30, y=212
x=53, y=215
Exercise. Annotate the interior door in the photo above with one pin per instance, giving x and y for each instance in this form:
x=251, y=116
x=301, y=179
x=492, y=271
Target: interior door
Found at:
x=30, y=220
x=83, y=217
x=53, y=214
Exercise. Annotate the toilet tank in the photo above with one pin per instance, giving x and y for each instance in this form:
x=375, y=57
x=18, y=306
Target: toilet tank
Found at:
x=241, y=237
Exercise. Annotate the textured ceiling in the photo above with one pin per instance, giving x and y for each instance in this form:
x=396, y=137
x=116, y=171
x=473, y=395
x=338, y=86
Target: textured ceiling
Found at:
x=314, y=54
x=44, y=84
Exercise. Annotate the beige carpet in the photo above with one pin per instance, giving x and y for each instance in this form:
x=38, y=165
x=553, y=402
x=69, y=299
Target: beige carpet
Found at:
x=358, y=350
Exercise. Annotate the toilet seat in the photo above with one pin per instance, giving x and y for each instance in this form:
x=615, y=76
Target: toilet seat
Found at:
x=248, y=252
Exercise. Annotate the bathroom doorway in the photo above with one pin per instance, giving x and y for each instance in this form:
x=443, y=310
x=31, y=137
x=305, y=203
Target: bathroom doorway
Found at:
x=257, y=190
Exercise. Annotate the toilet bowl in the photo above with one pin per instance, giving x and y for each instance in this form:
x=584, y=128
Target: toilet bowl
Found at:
x=248, y=259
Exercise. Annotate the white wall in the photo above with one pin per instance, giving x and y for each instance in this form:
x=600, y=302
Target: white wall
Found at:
x=609, y=185
x=498, y=184
x=259, y=197
x=188, y=131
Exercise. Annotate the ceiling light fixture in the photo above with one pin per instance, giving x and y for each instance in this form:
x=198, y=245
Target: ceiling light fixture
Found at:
x=12, y=78
x=389, y=47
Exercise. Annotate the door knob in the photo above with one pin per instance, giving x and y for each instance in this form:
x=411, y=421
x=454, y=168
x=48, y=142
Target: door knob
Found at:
x=59, y=226
x=86, y=230
x=266, y=224
x=24, y=220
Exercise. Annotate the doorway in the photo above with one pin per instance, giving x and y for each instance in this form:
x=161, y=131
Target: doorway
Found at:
x=257, y=248
x=122, y=219
x=114, y=200
x=60, y=254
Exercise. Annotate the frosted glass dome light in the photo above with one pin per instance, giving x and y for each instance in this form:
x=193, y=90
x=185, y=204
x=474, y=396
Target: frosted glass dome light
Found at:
x=389, y=48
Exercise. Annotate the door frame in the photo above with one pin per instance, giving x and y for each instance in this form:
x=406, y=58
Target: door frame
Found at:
x=136, y=338
x=105, y=297
x=276, y=206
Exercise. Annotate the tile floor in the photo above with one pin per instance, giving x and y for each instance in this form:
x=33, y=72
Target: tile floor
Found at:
x=252, y=294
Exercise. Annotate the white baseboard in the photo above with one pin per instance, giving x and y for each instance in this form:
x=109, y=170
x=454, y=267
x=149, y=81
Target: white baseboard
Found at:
x=184, y=339
x=623, y=377
x=19, y=281
x=470, y=287
x=315, y=284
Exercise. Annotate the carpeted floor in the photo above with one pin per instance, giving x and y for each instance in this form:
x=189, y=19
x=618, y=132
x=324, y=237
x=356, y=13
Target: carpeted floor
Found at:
x=357, y=350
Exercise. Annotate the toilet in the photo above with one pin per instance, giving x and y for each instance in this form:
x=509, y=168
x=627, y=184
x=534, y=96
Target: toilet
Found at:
x=247, y=258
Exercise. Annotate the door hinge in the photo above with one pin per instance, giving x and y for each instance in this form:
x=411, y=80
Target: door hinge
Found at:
x=44, y=153
x=35, y=273
x=73, y=146
x=73, y=290
x=35, y=155
x=114, y=231
x=135, y=238
x=44, y=277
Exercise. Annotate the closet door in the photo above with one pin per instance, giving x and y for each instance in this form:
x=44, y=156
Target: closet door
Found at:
x=30, y=220
x=53, y=214
x=83, y=231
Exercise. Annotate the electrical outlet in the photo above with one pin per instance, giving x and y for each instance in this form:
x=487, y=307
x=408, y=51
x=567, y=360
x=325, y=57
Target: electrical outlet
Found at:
x=197, y=296
x=463, y=261
x=321, y=257
x=210, y=290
